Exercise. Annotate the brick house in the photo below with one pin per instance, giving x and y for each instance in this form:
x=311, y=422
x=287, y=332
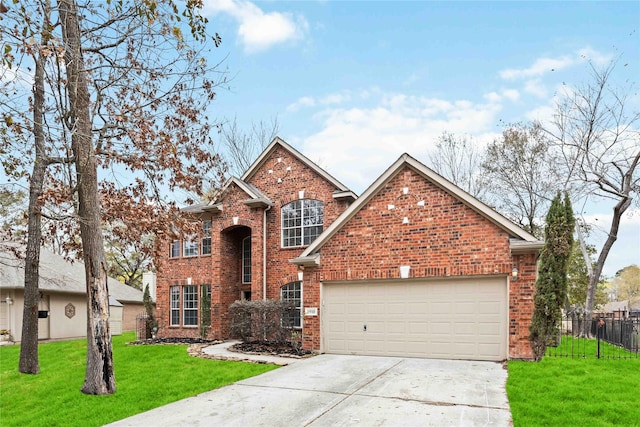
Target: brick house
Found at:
x=415, y=266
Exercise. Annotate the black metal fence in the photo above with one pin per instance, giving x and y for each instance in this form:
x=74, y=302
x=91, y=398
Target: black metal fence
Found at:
x=604, y=336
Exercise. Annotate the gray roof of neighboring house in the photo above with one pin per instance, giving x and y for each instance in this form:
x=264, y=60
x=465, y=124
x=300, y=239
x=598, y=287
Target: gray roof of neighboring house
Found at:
x=612, y=306
x=56, y=275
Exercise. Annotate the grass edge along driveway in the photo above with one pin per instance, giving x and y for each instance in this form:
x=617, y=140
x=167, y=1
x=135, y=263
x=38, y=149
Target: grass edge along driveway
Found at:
x=147, y=376
x=561, y=391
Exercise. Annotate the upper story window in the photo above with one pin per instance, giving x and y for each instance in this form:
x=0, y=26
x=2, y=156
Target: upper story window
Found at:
x=190, y=246
x=206, y=237
x=301, y=222
x=246, y=260
x=174, y=251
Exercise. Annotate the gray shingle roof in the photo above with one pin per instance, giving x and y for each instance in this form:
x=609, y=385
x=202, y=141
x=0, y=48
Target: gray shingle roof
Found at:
x=57, y=275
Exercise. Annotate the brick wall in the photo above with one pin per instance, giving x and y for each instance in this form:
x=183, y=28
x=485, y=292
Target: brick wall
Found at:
x=282, y=178
x=441, y=237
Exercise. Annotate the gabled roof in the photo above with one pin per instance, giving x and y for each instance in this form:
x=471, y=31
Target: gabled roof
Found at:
x=521, y=238
x=256, y=197
x=56, y=275
x=279, y=142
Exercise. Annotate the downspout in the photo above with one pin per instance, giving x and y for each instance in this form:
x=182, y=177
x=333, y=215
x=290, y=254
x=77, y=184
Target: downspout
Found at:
x=264, y=252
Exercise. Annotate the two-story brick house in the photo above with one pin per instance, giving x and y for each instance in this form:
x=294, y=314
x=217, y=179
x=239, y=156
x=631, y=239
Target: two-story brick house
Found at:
x=415, y=266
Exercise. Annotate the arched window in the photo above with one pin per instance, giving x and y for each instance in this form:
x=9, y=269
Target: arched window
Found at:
x=292, y=293
x=301, y=222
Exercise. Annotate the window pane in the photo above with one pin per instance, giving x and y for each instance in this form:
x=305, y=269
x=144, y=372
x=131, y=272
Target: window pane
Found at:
x=302, y=222
x=190, y=247
x=174, y=251
x=246, y=260
x=190, y=305
x=292, y=292
x=175, y=306
x=206, y=238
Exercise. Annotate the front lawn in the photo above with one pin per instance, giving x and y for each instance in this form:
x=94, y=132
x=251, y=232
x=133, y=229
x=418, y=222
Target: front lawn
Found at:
x=561, y=391
x=147, y=376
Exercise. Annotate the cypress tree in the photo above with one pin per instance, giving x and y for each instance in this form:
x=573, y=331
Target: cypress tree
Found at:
x=551, y=286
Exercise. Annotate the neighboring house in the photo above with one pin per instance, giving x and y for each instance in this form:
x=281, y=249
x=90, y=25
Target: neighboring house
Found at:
x=620, y=309
x=413, y=267
x=63, y=299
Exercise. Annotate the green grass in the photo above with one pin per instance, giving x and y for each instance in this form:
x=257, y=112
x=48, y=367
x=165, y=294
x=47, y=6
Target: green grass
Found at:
x=561, y=391
x=146, y=377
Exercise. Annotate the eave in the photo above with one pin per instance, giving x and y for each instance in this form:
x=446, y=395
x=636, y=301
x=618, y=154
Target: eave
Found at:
x=307, y=261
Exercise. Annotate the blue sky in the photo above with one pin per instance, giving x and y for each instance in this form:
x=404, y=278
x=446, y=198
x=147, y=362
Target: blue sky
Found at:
x=355, y=84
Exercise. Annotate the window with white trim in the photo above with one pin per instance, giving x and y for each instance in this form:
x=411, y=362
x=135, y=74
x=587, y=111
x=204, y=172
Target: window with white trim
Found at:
x=292, y=292
x=206, y=237
x=246, y=260
x=302, y=222
x=174, y=292
x=174, y=251
x=190, y=305
x=190, y=246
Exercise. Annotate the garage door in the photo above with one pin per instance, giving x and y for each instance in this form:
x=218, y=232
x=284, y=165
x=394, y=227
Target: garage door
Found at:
x=452, y=319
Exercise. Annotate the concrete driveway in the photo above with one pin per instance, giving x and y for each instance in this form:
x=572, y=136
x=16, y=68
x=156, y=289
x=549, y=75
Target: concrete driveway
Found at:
x=334, y=390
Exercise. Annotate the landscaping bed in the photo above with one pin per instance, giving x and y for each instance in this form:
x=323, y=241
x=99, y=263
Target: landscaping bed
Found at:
x=270, y=348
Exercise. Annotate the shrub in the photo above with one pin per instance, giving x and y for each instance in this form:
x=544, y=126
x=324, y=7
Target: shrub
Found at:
x=261, y=320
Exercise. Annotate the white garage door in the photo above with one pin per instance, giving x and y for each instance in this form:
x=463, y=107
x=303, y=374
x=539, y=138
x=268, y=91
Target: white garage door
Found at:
x=452, y=319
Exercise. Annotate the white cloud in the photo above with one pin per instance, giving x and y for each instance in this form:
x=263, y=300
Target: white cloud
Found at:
x=357, y=144
x=511, y=94
x=536, y=88
x=258, y=30
x=598, y=58
x=538, y=68
x=330, y=99
x=493, y=97
x=305, y=101
x=542, y=66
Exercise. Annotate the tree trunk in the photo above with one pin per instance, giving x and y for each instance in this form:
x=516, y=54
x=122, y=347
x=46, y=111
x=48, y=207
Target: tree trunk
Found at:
x=99, y=376
x=618, y=210
x=29, y=363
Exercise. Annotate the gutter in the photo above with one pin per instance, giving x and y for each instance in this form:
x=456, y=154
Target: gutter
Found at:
x=264, y=251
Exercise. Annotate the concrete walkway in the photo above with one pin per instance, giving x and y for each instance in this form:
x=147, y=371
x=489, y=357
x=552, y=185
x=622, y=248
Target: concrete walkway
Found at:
x=222, y=352
x=335, y=390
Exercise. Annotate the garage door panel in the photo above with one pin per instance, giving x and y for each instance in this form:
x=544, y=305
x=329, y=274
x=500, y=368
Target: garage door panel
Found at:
x=464, y=319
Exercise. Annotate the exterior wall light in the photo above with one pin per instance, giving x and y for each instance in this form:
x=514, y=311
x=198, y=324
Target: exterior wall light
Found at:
x=514, y=273
x=404, y=271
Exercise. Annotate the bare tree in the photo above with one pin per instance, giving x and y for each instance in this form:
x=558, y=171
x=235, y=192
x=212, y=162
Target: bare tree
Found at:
x=522, y=175
x=460, y=161
x=126, y=93
x=599, y=140
x=242, y=146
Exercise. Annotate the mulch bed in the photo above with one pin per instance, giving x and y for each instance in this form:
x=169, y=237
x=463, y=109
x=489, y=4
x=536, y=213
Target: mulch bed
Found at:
x=252, y=347
x=270, y=348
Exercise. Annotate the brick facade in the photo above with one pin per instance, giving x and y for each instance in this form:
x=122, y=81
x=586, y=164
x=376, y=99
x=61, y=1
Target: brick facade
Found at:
x=283, y=177
x=408, y=221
